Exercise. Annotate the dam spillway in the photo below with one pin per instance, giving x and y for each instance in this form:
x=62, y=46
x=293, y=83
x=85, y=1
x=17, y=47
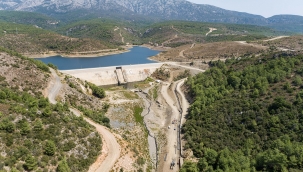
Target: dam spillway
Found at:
x=120, y=76
x=114, y=75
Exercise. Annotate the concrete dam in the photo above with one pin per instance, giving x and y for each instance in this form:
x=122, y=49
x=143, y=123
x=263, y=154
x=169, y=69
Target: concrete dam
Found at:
x=115, y=74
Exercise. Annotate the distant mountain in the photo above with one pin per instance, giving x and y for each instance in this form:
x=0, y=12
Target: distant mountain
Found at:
x=21, y=17
x=290, y=23
x=161, y=9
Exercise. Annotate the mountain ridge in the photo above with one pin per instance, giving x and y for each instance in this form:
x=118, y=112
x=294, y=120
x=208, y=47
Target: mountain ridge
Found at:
x=163, y=10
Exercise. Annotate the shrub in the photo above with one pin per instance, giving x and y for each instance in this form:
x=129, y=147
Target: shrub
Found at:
x=97, y=91
x=52, y=66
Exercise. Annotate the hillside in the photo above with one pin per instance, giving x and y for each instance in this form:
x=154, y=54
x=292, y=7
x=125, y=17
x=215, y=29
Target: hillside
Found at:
x=29, y=18
x=101, y=34
x=246, y=114
x=176, y=33
x=30, y=40
x=294, y=43
x=114, y=32
x=199, y=53
x=36, y=135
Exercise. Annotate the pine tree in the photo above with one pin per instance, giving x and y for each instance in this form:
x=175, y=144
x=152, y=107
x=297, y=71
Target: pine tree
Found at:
x=30, y=163
x=49, y=148
x=63, y=166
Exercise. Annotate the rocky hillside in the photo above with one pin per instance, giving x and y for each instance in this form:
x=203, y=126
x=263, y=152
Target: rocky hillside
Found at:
x=36, y=135
x=168, y=10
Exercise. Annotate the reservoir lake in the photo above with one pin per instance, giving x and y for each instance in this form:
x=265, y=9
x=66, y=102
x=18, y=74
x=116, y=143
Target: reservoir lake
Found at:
x=136, y=55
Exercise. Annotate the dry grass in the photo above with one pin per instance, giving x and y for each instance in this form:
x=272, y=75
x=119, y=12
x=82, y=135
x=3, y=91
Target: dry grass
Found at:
x=293, y=43
x=209, y=51
x=22, y=74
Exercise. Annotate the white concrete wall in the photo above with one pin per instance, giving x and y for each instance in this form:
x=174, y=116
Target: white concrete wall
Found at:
x=107, y=75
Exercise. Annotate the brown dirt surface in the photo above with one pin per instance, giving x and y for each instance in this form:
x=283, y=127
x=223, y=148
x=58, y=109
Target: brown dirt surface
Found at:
x=209, y=51
x=22, y=74
x=291, y=43
x=75, y=95
x=133, y=138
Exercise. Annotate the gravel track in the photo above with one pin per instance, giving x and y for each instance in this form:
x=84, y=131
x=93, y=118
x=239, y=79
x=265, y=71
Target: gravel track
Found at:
x=112, y=146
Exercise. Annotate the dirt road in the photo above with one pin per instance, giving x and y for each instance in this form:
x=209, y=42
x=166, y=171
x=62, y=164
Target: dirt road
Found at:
x=261, y=46
x=210, y=31
x=122, y=38
x=55, y=86
x=171, y=147
x=186, y=67
x=275, y=38
x=179, y=105
x=113, y=148
x=181, y=53
x=184, y=104
x=254, y=45
x=183, y=101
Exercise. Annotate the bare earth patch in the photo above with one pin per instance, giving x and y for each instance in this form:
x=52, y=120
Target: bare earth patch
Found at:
x=209, y=51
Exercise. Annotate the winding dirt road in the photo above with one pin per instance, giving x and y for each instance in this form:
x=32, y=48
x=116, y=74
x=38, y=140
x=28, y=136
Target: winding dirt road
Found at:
x=113, y=149
x=54, y=87
x=184, y=105
x=111, y=145
x=171, y=147
x=179, y=110
x=181, y=53
x=183, y=101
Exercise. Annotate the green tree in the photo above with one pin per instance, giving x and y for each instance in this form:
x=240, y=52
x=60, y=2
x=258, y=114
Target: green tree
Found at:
x=189, y=167
x=30, y=163
x=272, y=160
x=25, y=128
x=297, y=81
x=43, y=103
x=63, y=166
x=2, y=95
x=9, y=139
x=97, y=91
x=210, y=155
x=47, y=112
x=234, y=81
x=49, y=148
x=14, y=170
x=38, y=125
x=202, y=164
x=10, y=127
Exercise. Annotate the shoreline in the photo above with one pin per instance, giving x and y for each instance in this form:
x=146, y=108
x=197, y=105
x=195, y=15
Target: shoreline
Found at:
x=92, y=54
x=161, y=49
x=84, y=54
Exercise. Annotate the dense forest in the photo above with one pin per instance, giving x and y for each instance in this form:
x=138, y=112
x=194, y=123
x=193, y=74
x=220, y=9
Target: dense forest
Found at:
x=247, y=115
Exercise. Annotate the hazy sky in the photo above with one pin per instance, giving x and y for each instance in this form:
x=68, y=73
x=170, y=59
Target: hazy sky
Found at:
x=266, y=8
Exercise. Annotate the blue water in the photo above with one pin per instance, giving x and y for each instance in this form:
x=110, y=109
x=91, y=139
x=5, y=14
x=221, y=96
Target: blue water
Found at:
x=136, y=55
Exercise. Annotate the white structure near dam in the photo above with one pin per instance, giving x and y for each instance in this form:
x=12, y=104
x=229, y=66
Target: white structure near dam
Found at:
x=115, y=74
